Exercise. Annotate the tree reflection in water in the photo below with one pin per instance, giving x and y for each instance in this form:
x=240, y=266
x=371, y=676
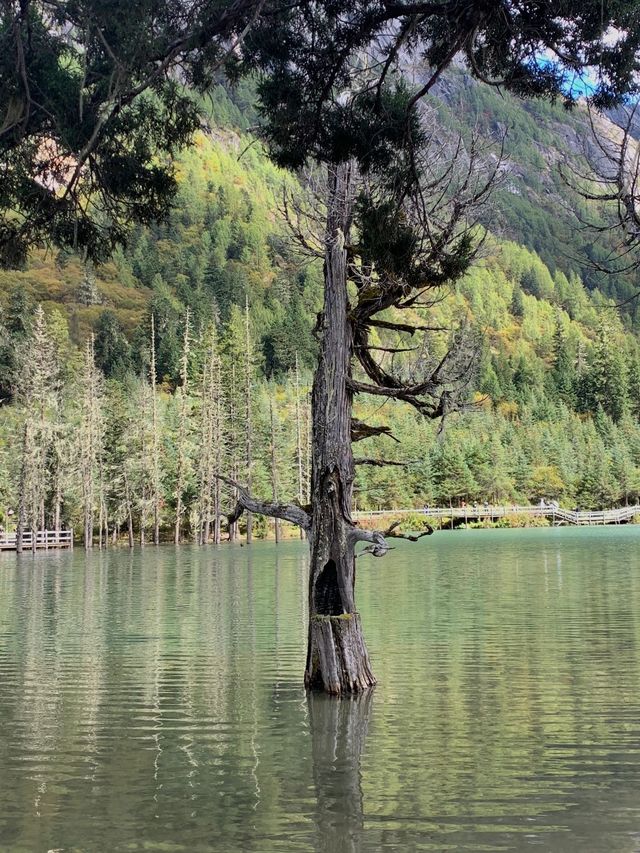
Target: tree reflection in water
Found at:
x=338, y=733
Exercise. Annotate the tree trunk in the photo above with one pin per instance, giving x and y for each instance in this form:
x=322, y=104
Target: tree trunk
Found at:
x=182, y=434
x=301, y=499
x=337, y=659
x=57, y=503
x=155, y=439
x=233, y=448
x=248, y=424
x=217, y=501
x=127, y=494
x=22, y=489
x=274, y=473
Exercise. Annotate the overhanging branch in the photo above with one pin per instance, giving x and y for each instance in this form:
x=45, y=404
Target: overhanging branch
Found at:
x=409, y=328
x=360, y=431
x=378, y=545
x=287, y=512
x=430, y=408
x=380, y=463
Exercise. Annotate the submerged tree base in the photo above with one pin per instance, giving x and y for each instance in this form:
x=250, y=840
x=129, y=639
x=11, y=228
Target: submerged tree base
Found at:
x=337, y=657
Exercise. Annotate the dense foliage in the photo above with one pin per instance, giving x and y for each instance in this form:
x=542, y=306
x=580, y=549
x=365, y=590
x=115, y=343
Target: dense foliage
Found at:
x=557, y=394
x=555, y=412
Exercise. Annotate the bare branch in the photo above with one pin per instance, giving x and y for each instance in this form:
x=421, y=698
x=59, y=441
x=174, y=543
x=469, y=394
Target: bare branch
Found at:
x=287, y=512
x=392, y=532
x=409, y=328
x=360, y=431
x=612, y=180
x=379, y=545
x=380, y=463
x=378, y=539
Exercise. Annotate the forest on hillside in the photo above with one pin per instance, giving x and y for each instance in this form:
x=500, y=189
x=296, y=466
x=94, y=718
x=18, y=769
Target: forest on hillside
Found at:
x=119, y=382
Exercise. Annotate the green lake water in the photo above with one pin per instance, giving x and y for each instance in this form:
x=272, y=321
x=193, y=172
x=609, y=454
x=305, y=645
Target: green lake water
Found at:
x=152, y=701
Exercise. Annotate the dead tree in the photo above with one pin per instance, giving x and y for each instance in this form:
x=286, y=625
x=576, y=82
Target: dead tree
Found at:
x=23, y=483
x=155, y=439
x=219, y=444
x=209, y=438
x=232, y=415
x=387, y=247
x=36, y=388
x=90, y=438
x=274, y=470
x=183, y=416
x=299, y=449
x=248, y=374
x=610, y=181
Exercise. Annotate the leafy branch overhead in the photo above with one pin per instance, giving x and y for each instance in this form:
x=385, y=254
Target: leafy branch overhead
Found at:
x=93, y=100
x=95, y=94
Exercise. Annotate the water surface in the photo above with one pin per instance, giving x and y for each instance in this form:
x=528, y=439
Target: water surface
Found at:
x=152, y=701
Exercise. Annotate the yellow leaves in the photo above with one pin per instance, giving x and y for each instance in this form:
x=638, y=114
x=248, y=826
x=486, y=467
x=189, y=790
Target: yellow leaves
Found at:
x=546, y=481
x=508, y=410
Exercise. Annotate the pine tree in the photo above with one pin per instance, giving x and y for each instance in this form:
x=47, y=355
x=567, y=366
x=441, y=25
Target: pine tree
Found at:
x=87, y=293
x=113, y=352
x=606, y=382
x=517, y=302
x=563, y=369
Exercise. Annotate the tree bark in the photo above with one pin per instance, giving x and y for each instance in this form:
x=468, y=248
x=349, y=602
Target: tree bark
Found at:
x=155, y=438
x=301, y=490
x=129, y=510
x=274, y=473
x=22, y=489
x=248, y=424
x=337, y=658
x=182, y=434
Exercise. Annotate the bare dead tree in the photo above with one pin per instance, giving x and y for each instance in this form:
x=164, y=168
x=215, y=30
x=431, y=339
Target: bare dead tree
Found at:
x=299, y=448
x=182, y=429
x=274, y=468
x=210, y=438
x=389, y=245
x=234, y=446
x=155, y=439
x=90, y=437
x=248, y=427
x=609, y=179
x=219, y=437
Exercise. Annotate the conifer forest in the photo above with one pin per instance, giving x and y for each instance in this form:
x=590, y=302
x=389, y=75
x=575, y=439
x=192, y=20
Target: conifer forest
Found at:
x=125, y=385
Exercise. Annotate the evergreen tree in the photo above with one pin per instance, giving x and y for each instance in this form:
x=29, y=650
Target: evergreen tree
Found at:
x=453, y=479
x=605, y=382
x=87, y=293
x=563, y=368
x=112, y=350
x=517, y=302
x=15, y=327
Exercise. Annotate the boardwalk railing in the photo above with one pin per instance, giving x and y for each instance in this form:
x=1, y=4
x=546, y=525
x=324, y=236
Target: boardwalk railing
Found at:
x=556, y=514
x=44, y=539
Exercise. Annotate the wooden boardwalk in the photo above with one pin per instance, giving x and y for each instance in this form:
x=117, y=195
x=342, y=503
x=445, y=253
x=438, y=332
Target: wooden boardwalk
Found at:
x=556, y=515
x=45, y=539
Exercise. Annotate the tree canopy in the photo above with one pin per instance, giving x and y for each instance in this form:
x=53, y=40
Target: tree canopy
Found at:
x=95, y=94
